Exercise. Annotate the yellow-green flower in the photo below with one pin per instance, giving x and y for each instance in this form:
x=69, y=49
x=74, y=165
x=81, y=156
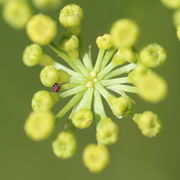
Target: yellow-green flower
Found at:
x=119, y=70
x=41, y=29
x=64, y=145
x=71, y=15
x=82, y=118
x=107, y=132
x=152, y=88
x=124, y=33
x=104, y=42
x=123, y=55
x=152, y=55
x=95, y=157
x=171, y=3
x=39, y=125
x=17, y=13
x=44, y=100
x=120, y=106
x=148, y=123
x=50, y=75
x=47, y=4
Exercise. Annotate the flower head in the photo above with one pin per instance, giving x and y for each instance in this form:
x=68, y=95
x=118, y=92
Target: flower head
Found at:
x=41, y=29
x=50, y=75
x=39, y=125
x=124, y=33
x=64, y=146
x=148, y=123
x=44, y=100
x=104, y=42
x=107, y=132
x=82, y=118
x=119, y=70
x=17, y=13
x=95, y=157
x=71, y=15
x=152, y=55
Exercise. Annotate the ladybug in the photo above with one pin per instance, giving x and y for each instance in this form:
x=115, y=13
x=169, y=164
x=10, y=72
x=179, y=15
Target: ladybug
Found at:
x=56, y=87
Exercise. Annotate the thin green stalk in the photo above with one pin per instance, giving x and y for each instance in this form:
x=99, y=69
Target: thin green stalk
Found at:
x=81, y=67
x=69, y=105
x=106, y=70
x=87, y=60
x=86, y=101
x=125, y=88
x=121, y=70
x=99, y=60
x=72, y=91
x=68, y=86
x=106, y=94
x=69, y=71
x=108, y=56
x=63, y=55
x=98, y=105
x=115, y=81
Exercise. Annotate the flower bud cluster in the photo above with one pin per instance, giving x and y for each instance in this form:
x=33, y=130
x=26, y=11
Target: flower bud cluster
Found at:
x=118, y=71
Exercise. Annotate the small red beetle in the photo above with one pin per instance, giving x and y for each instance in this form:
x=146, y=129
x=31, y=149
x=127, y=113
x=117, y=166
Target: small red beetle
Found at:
x=56, y=87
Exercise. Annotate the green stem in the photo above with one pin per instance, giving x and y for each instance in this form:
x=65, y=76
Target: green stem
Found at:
x=72, y=91
x=106, y=94
x=63, y=55
x=69, y=71
x=108, y=56
x=98, y=105
x=121, y=70
x=68, y=86
x=81, y=67
x=86, y=101
x=99, y=60
x=69, y=105
x=106, y=70
x=126, y=88
x=115, y=81
x=87, y=60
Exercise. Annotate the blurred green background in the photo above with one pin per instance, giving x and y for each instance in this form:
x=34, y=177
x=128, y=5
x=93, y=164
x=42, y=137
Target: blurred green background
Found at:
x=134, y=157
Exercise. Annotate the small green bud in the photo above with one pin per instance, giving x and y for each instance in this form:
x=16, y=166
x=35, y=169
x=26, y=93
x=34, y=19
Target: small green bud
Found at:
x=104, y=42
x=176, y=17
x=178, y=32
x=82, y=118
x=71, y=15
x=148, y=123
x=96, y=157
x=69, y=42
x=107, y=132
x=32, y=55
x=39, y=125
x=47, y=4
x=50, y=75
x=152, y=88
x=41, y=29
x=17, y=13
x=65, y=145
x=124, y=33
x=152, y=55
x=43, y=100
x=120, y=106
x=173, y=4
x=123, y=55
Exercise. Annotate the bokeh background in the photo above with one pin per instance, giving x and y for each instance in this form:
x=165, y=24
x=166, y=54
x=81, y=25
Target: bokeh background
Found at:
x=134, y=157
